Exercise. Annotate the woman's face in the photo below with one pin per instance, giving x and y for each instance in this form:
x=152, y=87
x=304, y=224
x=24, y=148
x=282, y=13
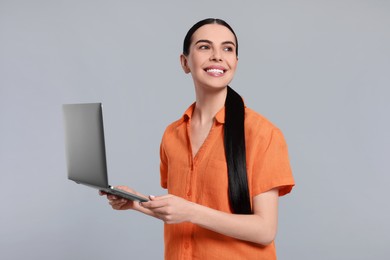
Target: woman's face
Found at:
x=212, y=59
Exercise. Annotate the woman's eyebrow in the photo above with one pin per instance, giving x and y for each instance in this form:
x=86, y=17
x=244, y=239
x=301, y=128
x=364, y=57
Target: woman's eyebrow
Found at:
x=210, y=42
x=229, y=42
x=205, y=41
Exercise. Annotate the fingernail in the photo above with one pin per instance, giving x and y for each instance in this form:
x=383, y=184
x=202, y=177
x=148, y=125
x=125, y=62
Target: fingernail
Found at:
x=152, y=196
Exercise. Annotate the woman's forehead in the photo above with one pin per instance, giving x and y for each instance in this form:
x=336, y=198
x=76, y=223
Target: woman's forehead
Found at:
x=214, y=32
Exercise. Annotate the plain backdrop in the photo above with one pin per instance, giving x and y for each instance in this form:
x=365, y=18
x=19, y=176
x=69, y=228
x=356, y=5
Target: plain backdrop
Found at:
x=319, y=70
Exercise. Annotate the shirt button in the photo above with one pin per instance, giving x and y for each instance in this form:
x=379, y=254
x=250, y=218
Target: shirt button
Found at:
x=189, y=194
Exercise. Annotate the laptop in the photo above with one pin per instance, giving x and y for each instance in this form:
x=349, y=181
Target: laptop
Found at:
x=85, y=148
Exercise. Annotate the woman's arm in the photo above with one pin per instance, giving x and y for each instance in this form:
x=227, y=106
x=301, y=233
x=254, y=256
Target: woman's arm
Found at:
x=259, y=227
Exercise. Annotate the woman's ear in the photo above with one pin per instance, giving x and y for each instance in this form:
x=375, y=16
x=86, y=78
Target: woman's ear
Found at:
x=184, y=63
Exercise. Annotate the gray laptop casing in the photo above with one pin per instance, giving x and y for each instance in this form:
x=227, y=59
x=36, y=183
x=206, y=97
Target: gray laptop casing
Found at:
x=85, y=148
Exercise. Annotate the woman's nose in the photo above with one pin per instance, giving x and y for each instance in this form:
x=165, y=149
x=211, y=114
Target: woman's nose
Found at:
x=216, y=55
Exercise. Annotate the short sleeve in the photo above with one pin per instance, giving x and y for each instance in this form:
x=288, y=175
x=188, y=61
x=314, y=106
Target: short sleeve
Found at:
x=271, y=168
x=163, y=167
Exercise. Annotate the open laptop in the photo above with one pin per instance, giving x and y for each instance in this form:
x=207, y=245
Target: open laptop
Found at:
x=85, y=148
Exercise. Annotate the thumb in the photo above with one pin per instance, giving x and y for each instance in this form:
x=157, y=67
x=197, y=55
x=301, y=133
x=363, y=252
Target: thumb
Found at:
x=162, y=197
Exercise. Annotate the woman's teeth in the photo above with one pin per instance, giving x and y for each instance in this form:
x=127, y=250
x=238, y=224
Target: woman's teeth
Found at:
x=215, y=71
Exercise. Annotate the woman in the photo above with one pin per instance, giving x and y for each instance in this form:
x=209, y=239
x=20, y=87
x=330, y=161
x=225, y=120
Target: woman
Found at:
x=223, y=164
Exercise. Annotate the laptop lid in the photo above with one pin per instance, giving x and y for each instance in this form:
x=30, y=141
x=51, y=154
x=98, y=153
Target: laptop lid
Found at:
x=84, y=143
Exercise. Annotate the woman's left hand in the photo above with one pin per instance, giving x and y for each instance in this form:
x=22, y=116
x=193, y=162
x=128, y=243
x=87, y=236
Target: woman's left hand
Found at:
x=170, y=209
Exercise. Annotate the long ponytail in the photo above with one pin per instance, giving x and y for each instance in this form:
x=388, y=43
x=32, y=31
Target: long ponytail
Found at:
x=234, y=138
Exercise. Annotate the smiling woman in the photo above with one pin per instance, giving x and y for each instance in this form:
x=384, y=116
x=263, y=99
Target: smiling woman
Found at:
x=211, y=48
x=223, y=164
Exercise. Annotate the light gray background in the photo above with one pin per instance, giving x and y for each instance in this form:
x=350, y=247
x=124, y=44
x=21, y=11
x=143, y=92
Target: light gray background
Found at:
x=320, y=70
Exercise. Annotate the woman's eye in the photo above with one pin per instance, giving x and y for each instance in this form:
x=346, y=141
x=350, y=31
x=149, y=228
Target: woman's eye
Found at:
x=203, y=47
x=229, y=49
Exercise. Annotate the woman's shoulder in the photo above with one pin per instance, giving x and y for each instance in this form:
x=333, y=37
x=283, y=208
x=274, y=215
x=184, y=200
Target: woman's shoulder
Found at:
x=254, y=119
x=175, y=126
x=260, y=131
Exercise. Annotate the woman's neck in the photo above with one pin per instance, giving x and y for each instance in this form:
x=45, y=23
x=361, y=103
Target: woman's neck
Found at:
x=208, y=103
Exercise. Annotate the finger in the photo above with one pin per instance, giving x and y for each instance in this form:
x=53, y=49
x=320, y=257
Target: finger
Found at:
x=166, y=218
x=121, y=187
x=125, y=188
x=157, y=201
x=163, y=197
x=112, y=197
x=159, y=216
x=160, y=212
x=153, y=204
x=118, y=201
x=117, y=205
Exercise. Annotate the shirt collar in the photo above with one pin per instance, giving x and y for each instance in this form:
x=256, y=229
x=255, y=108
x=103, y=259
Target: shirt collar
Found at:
x=188, y=113
x=219, y=117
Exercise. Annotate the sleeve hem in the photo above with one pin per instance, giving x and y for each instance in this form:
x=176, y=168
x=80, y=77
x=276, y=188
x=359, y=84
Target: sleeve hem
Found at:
x=284, y=189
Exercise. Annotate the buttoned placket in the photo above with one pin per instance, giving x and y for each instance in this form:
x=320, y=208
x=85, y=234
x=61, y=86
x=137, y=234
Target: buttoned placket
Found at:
x=187, y=248
x=192, y=172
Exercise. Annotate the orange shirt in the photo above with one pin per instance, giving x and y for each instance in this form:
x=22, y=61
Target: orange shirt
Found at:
x=204, y=180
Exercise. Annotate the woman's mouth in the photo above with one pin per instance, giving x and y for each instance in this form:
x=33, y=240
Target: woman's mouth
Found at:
x=215, y=70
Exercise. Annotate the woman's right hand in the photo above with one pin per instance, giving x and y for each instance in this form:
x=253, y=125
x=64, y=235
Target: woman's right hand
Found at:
x=120, y=203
